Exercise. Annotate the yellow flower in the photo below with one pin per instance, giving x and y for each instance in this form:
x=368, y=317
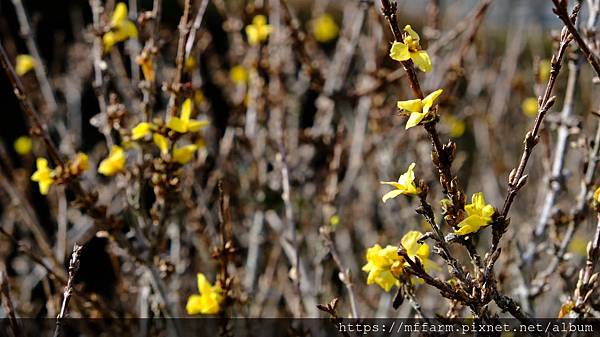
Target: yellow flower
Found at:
x=544, y=70
x=25, y=63
x=418, y=108
x=209, y=300
x=23, y=145
x=161, y=142
x=415, y=249
x=380, y=262
x=183, y=124
x=410, y=48
x=478, y=215
x=79, y=165
x=141, y=130
x=43, y=176
x=238, y=74
x=324, y=28
x=456, y=126
x=114, y=163
x=184, y=154
x=121, y=28
x=405, y=184
x=597, y=195
x=258, y=31
x=530, y=106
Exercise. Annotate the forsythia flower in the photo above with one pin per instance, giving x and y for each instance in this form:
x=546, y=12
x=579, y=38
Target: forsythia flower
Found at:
x=114, y=163
x=161, y=142
x=44, y=176
x=209, y=300
x=25, y=63
x=597, y=195
x=405, y=184
x=380, y=262
x=530, y=106
x=384, y=265
x=418, y=108
x=23, y=145
x=184, y=154
x=414, y=249
x=478, y=215
x=324, y=28
x=238, y=74
x=121, y=28
x=258, y=31
x=410, y=48
x=183, y=124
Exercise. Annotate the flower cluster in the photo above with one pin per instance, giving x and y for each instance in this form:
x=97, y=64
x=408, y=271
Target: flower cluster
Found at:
x=209, y=300
x=46, y=177
x=258, y=31
x=386, y=267
x=121, y=28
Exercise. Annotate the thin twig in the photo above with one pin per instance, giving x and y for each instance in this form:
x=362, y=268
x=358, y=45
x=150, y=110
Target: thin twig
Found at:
x=73, y=267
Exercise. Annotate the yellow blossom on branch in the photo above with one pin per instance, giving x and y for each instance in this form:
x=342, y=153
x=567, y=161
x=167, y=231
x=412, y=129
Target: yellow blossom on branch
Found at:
x=379, y=266
x=23, y=145
x=414, y=249
x=479, y=214
x=24, y=64
x=324, y=28
x=410, y=48
x=183, y=124
x=258, y=31
x=121, y=28
x=184, y=154
x=114, y=163
x=418, y=108
x=208, y=301
x=385, y=265
x=44, y=176
x=404, y=185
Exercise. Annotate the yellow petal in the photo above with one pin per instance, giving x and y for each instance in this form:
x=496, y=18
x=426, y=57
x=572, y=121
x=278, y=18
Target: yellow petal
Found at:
x=530, y=106
x=24, y=64
x=141, y=130
x=184, y=154
x=129, y=29
x=409, y=242
x=109, y=40
x=119, y=14
x=161, y=142
x=186, y=109
x=412, y=33
x=413, y=105
x=194, y=305
x=391, y=194
x=421, y=60
x=195, y=125
x=177, y=125
x=252, y=34
x=399, y=51
x=430, y=100
x=414, y=119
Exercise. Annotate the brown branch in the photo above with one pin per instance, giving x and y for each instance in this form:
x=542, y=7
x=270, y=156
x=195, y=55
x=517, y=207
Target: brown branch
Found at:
x=175, y=86
x=73, y=267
